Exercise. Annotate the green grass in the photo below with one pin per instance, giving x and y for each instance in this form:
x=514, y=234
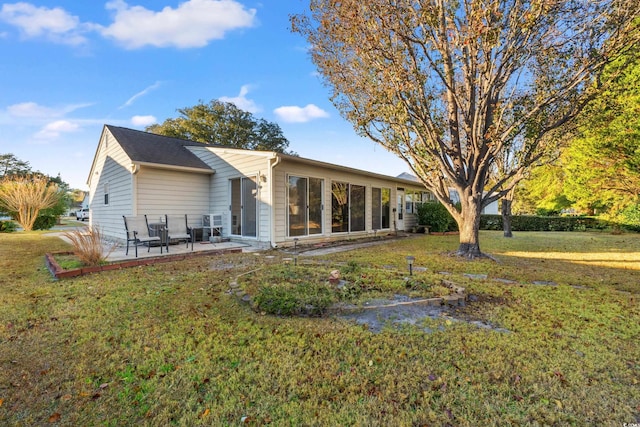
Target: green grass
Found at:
x=166, y=345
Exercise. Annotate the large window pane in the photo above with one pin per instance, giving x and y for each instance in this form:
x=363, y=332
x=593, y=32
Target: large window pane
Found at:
x=315, y=206
x=339, y=207
x=380, y=207
x=357, y=199
x=376, y=208
x=386, y=205
x=297, y=206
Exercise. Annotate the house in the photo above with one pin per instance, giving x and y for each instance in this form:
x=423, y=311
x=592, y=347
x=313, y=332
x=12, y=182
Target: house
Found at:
x=264, y=198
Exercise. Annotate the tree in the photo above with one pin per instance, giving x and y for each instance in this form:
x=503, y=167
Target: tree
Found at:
x=603, y=163
x=11, y=165
x=225, y=124
x=449, y=86
x=25, y=196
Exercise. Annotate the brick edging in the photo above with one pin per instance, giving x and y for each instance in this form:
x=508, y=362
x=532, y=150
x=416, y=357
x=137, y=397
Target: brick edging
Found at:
x=59, y=273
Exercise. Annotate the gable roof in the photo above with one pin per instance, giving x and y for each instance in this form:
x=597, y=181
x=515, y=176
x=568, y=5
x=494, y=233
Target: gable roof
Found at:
x=149, y=148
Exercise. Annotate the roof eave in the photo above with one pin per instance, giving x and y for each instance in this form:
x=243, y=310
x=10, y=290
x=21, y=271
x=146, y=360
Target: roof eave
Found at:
x=174, y=167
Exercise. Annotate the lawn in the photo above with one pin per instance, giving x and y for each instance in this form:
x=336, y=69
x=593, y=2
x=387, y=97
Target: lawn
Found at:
x=166, y=345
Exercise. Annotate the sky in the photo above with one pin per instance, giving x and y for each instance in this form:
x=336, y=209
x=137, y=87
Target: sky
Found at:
x=69, y=67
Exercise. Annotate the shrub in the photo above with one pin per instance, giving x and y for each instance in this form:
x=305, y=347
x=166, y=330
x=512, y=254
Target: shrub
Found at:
x=435, y=216
x=630, y=217
x=45, y=222
x=8, y=226
x=89, y=246
x=286, y=300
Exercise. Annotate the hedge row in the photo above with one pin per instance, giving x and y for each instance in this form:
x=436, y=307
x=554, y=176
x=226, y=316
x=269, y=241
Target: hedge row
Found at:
x=544, y=223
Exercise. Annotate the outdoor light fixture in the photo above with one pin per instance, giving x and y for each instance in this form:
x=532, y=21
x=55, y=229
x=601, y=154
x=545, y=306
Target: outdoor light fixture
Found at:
x=295, y=251
x=410, y=260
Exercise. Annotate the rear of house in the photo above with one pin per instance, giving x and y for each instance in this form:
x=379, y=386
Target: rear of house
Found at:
x=263, y=198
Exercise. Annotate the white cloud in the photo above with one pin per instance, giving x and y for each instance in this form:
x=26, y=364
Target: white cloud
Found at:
x=31, y=110
x=192, y=24
x=139, y=94
x=143, y=120
x=55, y=129
x=56, y=24
x=295, y=114
x=36, y=111
x=241, y=101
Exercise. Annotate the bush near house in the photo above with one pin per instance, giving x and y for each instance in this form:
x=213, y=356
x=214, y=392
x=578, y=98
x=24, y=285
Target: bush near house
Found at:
x=436, y=217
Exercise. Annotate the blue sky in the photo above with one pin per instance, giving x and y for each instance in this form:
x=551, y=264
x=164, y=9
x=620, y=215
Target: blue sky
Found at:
x=68, y=67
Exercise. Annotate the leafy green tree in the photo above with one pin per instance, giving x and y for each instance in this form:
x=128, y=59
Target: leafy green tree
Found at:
x=449, y=86
x=603, y=163
x=11, y=165
x=543, y=190
x=225, y=124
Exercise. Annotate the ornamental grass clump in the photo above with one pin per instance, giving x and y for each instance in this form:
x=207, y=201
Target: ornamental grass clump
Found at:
x=90, y=246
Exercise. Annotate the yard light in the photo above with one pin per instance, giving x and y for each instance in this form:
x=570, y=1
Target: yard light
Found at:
x=295, y=251
x=410, y=260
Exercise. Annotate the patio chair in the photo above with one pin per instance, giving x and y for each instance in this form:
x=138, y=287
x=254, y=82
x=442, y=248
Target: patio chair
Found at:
x=177, y=229
x=137, y=229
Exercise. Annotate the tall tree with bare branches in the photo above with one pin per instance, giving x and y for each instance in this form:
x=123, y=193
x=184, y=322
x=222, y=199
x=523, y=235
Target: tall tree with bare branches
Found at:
x=26, y=196
x=449, y=86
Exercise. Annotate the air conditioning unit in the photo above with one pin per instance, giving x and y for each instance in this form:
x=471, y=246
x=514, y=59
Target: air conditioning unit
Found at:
x=212, y=220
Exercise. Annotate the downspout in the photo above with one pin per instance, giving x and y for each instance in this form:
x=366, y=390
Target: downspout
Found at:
x=135, y=168
x=272, y=210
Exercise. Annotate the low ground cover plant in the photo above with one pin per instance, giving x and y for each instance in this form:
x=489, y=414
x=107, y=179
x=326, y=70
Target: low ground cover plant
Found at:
x=311, y=289
x=167, y=345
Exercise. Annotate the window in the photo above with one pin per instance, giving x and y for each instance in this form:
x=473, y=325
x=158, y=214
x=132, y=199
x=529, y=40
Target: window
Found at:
x=305, y=206
x=347, y=207
x=106, y=193
x=380, y=204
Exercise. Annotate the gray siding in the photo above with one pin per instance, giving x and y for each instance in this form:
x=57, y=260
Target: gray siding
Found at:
x=232, y=163
x=112, y=171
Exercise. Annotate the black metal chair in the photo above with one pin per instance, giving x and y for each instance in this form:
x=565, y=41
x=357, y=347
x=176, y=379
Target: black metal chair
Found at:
x=137, y=229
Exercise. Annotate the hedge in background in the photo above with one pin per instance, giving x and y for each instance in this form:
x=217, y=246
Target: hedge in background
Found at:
x=8, y=226
x=544, y=223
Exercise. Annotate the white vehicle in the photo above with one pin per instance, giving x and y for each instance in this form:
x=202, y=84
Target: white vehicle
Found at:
x=82, y=214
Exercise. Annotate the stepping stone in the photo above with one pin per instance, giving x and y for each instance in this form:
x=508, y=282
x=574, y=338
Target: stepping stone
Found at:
x=475, y=276
x=507, y=281
x=544, y=283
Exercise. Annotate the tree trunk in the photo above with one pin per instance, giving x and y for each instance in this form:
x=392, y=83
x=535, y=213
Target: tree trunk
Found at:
x=469, y=232
x=507, y=201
